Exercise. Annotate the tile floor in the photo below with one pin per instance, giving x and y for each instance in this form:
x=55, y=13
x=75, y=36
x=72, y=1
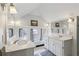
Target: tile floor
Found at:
x=41, y=51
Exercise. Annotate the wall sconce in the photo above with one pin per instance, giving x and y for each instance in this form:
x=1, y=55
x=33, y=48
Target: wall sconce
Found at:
x=11, y=23
x=46, y=24
x=71, y=19
x=3, y=6
x=12, y=9
x=18, y=23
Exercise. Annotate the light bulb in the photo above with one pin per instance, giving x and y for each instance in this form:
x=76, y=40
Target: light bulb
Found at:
x=69, y=20
x=18, y=23
x=46, y=24
x=11, y=22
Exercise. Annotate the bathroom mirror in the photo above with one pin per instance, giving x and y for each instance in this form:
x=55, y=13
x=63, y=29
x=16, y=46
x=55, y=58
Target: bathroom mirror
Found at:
x=10, y=32
x=59, y=26
x=24, y=33
x=20, y=31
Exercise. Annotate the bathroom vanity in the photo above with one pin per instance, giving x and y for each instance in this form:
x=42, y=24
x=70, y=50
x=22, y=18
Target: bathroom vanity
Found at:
x=19, y=50
x=60, y=46
x=60, y=39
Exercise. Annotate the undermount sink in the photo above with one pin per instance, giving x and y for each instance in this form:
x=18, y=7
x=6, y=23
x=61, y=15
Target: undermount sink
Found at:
x=20, y=42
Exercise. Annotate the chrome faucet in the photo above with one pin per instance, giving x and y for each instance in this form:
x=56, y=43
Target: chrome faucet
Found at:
x=15, y=41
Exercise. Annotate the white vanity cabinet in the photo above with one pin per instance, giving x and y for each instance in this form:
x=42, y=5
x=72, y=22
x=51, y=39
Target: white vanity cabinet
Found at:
x=60, y=47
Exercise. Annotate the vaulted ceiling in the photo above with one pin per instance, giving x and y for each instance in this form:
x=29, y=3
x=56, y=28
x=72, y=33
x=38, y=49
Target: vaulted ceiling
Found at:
x=49, y=11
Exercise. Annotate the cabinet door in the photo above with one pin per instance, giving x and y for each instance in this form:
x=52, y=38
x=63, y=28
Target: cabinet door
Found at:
x=58, y=50
x=45, y=41
x=58, y=47
x=49, y=44
x=54, y=47
x=67, y=48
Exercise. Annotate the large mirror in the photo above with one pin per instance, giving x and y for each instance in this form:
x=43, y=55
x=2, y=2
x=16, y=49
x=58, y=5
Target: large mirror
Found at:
x=24, y=33
x=59, y=26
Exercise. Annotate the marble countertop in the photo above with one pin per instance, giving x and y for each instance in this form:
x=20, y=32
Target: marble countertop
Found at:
x=61, y=38
x=16, y=47
x=66, y=38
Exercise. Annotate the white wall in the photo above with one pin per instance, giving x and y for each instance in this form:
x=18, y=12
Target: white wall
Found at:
x=73, y=31
x=1, y=32
x=2, y=21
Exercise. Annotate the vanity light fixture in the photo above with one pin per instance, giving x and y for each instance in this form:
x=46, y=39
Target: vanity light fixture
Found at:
x=11, y=23
x=46, y=24
x=18, y=23
x=71, y=19
x=12, y=8
x=3, y=6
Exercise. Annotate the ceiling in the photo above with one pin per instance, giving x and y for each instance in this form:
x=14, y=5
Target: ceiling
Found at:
x=49, y=11
x=25, y=8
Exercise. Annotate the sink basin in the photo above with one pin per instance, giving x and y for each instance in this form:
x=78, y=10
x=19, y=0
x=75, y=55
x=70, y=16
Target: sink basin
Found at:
x=21, y=42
